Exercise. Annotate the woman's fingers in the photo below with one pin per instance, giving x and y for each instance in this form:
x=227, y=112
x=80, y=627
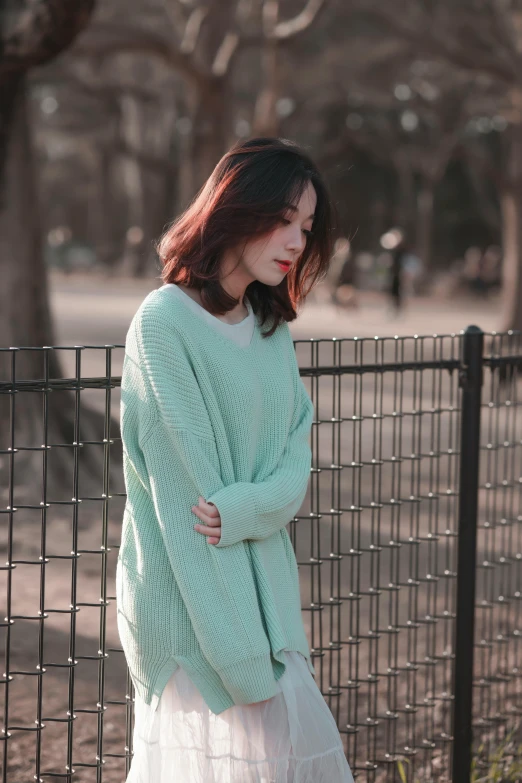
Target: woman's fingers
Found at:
x=208, y=508
x=209, y=515
x=208, y=521
x=208, y=531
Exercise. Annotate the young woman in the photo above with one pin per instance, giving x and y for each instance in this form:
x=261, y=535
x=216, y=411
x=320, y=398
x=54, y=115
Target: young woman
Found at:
x=215, y=424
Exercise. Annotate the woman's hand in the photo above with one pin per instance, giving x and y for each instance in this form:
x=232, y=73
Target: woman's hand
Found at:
x=209, y=515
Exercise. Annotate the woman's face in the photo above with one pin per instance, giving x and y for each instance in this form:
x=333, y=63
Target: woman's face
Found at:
x=258, y=259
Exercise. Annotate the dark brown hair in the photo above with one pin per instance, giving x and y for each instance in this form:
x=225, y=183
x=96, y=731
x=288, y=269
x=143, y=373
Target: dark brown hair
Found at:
x=245, y=197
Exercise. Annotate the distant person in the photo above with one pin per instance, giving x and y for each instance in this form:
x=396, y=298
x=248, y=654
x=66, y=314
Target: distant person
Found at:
x=395, y=242
x=483, y=270
x=412, y=274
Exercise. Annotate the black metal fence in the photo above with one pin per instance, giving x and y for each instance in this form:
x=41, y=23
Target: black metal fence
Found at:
x=409, y=545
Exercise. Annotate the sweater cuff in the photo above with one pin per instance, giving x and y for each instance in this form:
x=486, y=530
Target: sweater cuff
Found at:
x=250, y=680
x=236, y=507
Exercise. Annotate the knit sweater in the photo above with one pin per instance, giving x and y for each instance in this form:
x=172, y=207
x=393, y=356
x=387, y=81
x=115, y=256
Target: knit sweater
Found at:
x=201, y=415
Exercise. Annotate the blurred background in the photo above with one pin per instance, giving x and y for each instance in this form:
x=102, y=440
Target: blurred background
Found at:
x=112, y=115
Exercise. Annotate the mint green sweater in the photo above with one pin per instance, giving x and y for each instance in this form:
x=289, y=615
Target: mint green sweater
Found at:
x=201, y=415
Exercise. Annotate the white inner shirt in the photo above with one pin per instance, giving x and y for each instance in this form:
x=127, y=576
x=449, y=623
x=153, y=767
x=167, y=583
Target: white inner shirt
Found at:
x=241, y=332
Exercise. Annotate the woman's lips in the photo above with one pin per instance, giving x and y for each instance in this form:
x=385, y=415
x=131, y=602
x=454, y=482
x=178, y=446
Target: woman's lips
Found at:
x=283, y=266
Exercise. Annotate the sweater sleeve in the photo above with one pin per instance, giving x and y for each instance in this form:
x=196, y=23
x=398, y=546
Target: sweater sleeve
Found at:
x=257, y=510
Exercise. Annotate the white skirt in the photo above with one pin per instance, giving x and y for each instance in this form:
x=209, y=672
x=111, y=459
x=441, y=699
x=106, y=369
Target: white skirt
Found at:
x=291, y=738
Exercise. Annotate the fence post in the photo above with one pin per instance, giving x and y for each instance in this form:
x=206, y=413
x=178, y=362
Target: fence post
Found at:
x=471, y=384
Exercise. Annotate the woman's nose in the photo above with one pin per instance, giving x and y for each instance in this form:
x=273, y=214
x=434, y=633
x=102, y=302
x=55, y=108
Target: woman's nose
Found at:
x=296, y=241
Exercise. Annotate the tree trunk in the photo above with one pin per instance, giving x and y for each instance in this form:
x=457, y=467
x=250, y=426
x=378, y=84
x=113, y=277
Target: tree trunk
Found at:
x=424, y=239
x=24, y=310
x=405, y=203
x=102, y=207
x=266, y=122
x=25, y=321
x=207, y=140
x=132, y=169
x=38, y=33
x=511, y=211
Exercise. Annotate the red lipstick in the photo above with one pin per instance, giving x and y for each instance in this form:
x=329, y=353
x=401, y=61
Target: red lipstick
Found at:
x=284, y=265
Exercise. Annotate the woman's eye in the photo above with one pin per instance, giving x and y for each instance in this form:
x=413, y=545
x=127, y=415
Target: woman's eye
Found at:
x=307, y=232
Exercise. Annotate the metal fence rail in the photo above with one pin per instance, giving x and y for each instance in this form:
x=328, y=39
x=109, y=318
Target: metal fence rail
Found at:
x=409, y=545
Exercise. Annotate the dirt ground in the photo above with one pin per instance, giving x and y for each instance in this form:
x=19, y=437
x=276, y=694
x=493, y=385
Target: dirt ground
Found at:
x=45, y=646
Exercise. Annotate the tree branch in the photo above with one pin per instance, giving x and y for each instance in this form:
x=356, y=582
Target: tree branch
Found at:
x=176, y=15
x=282, y=31
x=444, y=40
x=104, y=91
x=192, y=30
x=41, y=30
x=157, y=163
x=270, y=16
x=106, y=40
x=225, y=53
x=292, y=27
x=470, y=155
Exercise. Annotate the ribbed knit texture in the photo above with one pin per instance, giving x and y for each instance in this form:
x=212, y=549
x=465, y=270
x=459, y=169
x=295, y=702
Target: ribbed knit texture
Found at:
x=201, y=415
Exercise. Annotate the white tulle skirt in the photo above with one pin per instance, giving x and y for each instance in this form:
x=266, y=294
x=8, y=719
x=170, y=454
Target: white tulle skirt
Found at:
x=291, y=738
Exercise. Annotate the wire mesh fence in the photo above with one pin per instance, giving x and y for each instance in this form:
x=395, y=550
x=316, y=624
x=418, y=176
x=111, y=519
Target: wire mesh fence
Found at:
x=497, y=699
x=383, y=569
x=383, y=503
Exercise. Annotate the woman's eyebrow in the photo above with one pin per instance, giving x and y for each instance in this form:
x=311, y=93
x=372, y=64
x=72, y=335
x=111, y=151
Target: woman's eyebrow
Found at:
x=293, y=208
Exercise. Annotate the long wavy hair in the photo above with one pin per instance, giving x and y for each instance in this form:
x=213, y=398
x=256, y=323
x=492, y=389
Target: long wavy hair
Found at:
x=247, y=196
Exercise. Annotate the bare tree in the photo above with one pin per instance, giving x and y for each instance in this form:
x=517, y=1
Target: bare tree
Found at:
x=32, y=33
x=482, y=37
x=208, y=37
x=116, y=135
x=275, y=34
x=411, y=115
